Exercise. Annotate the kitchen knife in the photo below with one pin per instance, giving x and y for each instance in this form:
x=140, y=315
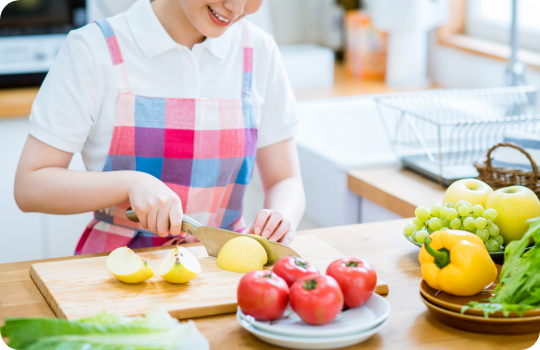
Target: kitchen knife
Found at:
x=214, y=239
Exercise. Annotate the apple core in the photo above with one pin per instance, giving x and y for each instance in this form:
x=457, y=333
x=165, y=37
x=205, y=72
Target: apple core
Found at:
x=179, y=266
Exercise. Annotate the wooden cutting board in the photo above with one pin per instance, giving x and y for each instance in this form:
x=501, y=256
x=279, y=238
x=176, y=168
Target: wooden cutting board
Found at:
x=83, y=287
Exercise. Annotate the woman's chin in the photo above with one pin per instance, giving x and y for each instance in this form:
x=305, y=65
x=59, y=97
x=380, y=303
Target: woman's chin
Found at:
x=211, y=30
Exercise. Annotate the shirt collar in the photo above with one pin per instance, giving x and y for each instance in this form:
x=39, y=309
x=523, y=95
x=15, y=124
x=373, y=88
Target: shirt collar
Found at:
x=153, y=39
x=220, y=46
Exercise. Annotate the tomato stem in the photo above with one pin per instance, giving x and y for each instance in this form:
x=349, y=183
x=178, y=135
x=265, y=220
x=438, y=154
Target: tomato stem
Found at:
x=310, y=284
x=268, y=276
x=300, y=262
x=352, y=264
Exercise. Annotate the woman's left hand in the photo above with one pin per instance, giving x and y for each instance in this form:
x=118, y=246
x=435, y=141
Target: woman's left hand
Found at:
x=272, y=225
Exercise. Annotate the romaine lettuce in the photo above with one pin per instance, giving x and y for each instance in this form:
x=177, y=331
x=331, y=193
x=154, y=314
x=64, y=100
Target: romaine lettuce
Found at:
x=104, y=331
x=519, y=287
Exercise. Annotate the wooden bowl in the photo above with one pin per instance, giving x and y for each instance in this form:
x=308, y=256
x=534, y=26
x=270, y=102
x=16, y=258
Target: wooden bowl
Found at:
x=454, y=303
x=480, y=324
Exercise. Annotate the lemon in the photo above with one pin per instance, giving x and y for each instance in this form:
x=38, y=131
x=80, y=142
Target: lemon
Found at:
x=127, y=266
x=242, y=254
x=179, y=266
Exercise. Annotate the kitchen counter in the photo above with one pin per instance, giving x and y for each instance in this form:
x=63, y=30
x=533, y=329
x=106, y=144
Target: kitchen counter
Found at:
x=395, y=189
x=410, y=326
x=18, y=102
x=345, y=85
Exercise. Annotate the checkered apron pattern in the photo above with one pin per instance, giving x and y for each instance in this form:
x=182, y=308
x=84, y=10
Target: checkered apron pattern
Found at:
x=203, y=149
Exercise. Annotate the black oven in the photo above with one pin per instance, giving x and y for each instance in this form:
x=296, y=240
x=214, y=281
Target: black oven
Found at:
x=31, y=33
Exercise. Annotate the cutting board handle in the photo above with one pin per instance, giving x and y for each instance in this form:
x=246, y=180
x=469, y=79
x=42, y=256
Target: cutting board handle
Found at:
x=189, y=225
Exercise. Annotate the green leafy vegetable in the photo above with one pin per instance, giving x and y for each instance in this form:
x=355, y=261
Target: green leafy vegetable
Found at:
x=519, y=287
x=104, y=331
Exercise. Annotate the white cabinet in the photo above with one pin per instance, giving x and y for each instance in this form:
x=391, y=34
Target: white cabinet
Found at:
x=30, y=236
x=337, y=135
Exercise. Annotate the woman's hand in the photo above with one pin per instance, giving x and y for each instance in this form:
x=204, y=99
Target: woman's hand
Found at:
x=155, y=205
x=272, y=225
x=284, y=198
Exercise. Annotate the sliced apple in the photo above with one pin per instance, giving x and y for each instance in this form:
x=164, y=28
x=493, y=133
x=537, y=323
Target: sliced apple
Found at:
x=179, y=266
x=127, y=266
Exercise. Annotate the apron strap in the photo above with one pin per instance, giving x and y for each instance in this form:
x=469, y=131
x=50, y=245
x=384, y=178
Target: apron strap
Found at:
x=116, y=54
x=248, y=60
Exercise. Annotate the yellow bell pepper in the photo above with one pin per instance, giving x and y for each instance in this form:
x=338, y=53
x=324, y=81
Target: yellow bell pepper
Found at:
x=456, y=262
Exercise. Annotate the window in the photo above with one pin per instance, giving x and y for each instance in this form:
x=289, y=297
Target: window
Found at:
x=490, y=19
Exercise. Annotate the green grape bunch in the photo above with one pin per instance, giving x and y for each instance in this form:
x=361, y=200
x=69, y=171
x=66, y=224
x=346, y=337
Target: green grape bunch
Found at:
x=461, y=215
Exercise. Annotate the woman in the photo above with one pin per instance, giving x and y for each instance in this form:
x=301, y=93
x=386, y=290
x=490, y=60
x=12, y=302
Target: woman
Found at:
x=171, y=104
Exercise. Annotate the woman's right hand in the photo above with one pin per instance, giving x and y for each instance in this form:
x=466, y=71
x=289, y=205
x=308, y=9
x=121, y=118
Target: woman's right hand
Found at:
x=155, y=205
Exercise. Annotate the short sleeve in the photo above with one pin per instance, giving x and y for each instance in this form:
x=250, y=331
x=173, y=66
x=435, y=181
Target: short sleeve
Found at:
x=68, y=101
x=278, y=111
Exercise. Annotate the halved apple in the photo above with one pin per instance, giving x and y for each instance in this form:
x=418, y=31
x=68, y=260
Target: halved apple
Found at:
x=179, y=266
x=127, y=266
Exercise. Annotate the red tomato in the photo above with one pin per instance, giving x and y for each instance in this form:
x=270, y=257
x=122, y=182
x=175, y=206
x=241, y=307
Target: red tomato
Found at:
x=356, y=277
x=292, y=268
x=263, y=295
x=317, y=299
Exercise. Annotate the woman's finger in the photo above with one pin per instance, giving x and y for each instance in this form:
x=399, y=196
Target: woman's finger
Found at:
x=260, y=221
x=176, y=216
x=143, y=217
x=289, y=237
x=272, y=224
x=152, y=219
x=163, y=221
x=248, y=229
x=282, y=229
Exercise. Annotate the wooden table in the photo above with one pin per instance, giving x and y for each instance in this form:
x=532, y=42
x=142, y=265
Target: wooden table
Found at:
x=395, y=260
x=397, y=190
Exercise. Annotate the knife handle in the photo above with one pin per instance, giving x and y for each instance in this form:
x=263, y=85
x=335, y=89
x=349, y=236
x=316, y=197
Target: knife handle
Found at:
x=189, y=225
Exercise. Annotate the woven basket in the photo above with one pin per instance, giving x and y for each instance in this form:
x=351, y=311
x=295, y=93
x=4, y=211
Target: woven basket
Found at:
x=499, y=177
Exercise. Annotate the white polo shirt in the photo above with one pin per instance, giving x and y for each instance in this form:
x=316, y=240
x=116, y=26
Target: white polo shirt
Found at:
x=75, y=108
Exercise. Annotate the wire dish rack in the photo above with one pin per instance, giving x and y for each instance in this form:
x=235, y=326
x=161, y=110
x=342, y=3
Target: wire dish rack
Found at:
x=440, y=133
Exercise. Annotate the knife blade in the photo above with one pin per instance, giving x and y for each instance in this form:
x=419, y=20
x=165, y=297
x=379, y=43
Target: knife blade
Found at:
x=213, y=239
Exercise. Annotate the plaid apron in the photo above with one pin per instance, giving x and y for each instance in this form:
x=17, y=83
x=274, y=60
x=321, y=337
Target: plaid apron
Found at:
x=203, y=149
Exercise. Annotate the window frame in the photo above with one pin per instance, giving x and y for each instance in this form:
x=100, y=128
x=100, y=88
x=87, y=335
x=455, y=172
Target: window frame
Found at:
x=477, y=26
x=453, y=35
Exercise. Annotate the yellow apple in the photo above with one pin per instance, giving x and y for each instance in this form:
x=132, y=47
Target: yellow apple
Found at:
x=127, y=266
x=179, y=266
x=473, y=191
x=514, y=205
x=242, y=254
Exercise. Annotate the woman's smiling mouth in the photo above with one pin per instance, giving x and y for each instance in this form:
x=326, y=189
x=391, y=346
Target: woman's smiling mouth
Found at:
x=217, y=18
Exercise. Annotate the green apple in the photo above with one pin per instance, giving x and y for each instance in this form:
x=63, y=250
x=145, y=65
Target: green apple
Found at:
x=470, y=190
x=179, y=266
x=514, y=206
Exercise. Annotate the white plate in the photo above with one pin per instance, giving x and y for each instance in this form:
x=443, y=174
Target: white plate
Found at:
x=355, y=320
x=310, y=343
x=196, y=341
